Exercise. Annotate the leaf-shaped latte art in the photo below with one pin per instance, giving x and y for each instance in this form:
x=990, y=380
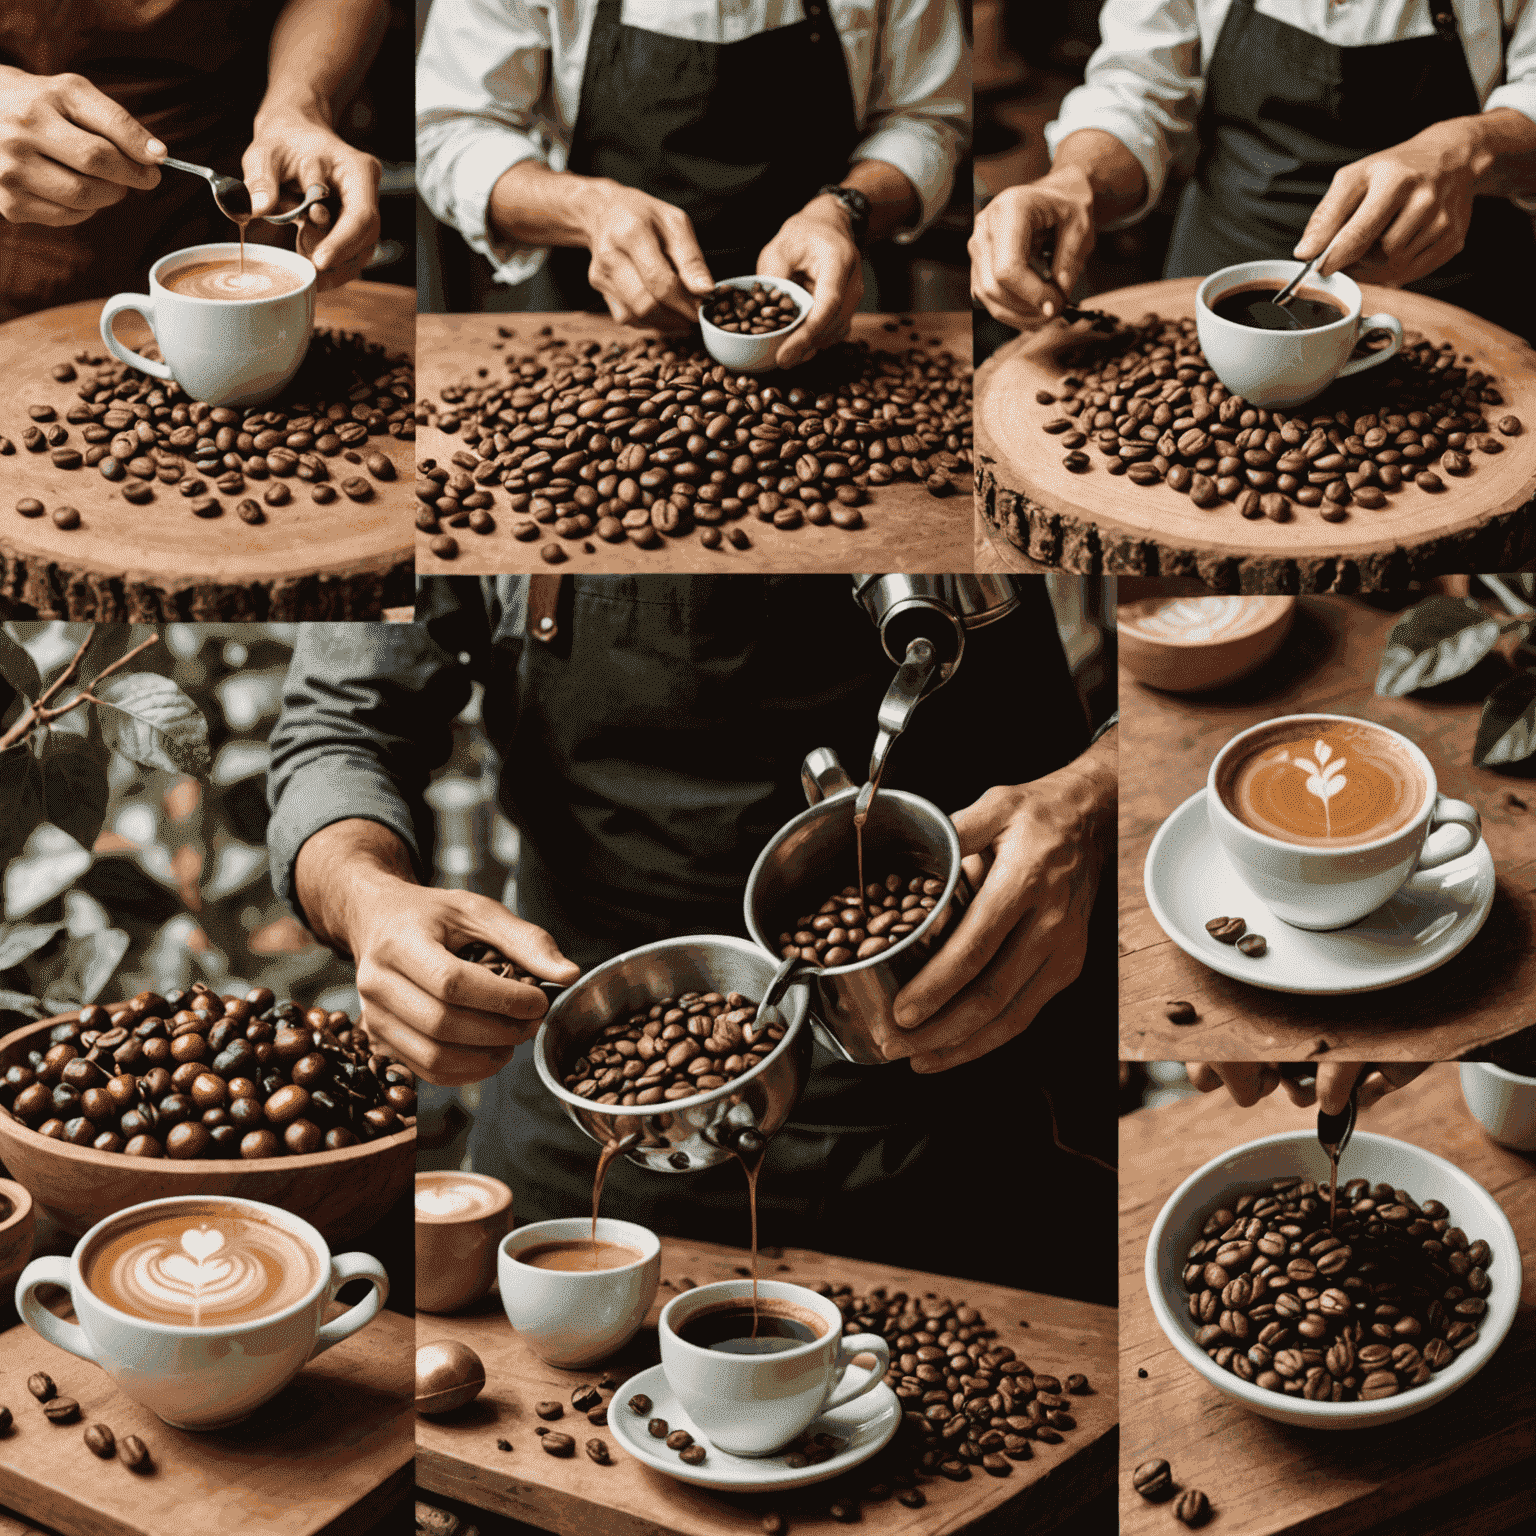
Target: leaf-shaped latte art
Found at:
x=1325, y=778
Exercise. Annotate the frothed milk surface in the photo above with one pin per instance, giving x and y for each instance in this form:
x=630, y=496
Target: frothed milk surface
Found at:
x=1322, y=783
x=1195, y=620
x=226, y=279
x=449, y=1197
x=200, y=1266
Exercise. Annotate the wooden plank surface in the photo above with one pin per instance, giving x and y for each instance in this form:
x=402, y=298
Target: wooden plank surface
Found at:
x=457, y=1454
x=1097, y=522
x=329, y=1454
x=905, y=529
x=161, y=545
x=1269, y=1479
x=1327, y=663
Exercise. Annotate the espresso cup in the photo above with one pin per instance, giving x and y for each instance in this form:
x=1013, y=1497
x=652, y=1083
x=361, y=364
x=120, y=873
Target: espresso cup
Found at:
x=1321, y=881
x=460, y=1220
x=1502, y=1102
x=1271, y=369
x=755, y=1404
x=235, y=352
x=191, y=1376
x=572, y=1317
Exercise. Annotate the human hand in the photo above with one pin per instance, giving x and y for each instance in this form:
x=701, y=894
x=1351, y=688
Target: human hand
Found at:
x=1010, y=227
x=292, y=146
x=815, y=249
x=1035, y=853
x=1250, y=1081
x=646, y=260
x=67, y=149
x=1396, y=215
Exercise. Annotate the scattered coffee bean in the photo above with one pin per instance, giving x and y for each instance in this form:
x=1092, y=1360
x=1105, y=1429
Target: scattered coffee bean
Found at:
x=844, y=1511
x=277, y=495
x=61, y=1410
x=912, y=1498
x=1253, y=945
x=608, y=1383
x=598, y=1451
x=548, y=1410
x=444, y=546
x=585, y=1398
x=1078, y=462
x=658, y=1429
x=773, y=1524
x=30, y=506
x=1153, y=1479
x=679, y=1440
x=66, y=517
x=503, y=1445
x=1228, y=930
x=134, y=1455
x=41, y=1386
x=1509, y=426
x=1193, y=1507
x=640, y=1403
x=101, y=1441
x=541, y=1429
x=137, y=492
x=598, y=1416
x=209, y=506
x=1181, y=1012
x=692, y=1454
x=557, y=1443
x=1428, y=480
x=1078, y=1385
x=5, y=1421
x=250, y=511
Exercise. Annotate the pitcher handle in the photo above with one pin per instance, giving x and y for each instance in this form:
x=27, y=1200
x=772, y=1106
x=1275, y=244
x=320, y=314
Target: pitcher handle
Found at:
x=822, y=774
x=794, y=969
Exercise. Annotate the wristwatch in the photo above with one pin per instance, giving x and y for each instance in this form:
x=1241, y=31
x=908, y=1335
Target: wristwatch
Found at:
x=855, y=205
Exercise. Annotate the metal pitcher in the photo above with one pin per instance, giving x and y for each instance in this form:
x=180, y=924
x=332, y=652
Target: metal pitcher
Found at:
x=936, y=608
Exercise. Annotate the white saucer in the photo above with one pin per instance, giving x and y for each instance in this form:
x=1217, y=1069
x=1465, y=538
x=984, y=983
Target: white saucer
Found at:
x=1189, y=880
x=867, y=1424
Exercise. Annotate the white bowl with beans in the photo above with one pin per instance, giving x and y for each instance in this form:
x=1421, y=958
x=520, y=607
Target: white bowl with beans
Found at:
x=1379, y=1159
x=752, y=354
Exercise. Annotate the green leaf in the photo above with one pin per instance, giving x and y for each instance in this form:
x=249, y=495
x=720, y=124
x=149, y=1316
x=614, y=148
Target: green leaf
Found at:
x=1507, y=731
x=18, y=668
x=89, y=964
x=1436, y=640
x=54, y=863
x=75, y=787
x=21, y=799
x=27, y=1006
x=152, y=722
x=18, y=940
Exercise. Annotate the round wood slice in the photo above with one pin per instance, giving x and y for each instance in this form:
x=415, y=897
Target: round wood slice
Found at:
x=1100, y=523
x=158, y=563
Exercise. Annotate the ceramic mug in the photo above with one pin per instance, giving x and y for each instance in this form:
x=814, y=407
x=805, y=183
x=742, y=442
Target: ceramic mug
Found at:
x=1320, y=889
x=236, y=352
x=1272, y=369
x=201, y=1378
x=1502, y=1102
x=754, y=1405
x=456, y=1245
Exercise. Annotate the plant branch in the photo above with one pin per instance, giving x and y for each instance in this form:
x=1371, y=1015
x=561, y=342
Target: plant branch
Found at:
x=40, y=714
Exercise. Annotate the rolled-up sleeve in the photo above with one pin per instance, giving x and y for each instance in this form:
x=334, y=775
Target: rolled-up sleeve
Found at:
x=1144, y=85
x=480, y=79
x=1518, y=87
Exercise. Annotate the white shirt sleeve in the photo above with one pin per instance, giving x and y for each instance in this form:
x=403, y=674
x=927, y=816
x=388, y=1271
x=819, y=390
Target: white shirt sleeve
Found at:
x=1517, y=88
x=1144, y=85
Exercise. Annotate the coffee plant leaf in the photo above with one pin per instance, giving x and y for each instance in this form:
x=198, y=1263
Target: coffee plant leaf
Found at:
x=19, y=940
x=1436, y=640
x=129, y=892
x=153, y=723
x=18, y=668
x=21, y=799
x=24, y=1003
x=1507, y=731
x=87, y=965
x=75, y=786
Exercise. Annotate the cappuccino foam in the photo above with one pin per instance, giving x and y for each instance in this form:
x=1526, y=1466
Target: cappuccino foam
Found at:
x=448, y=1197
x=1195, y=620
x=225, y=279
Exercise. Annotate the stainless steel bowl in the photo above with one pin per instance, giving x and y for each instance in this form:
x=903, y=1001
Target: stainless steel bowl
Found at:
x=687, y=1133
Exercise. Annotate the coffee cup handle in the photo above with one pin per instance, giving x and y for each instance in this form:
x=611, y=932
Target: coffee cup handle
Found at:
x=52, y=1269
x=1375, y=323
x=850, y=1384
x=351, y=1266
x=1464, y=829
x=141, y=304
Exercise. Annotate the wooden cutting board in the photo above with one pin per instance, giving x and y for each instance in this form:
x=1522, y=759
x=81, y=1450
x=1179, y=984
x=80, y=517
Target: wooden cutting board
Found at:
x=157, y=563
x=1462, y=1466
x=329, y=1453
x=1100, y=523
x=456, y=1453
x=905, y=529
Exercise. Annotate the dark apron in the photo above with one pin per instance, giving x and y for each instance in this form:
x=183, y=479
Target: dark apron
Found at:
x=738, y=135
x=657, y=748
x=1284, y=111
x=193, y=73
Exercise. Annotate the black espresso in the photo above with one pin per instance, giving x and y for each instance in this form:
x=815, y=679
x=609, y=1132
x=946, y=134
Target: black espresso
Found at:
x=728, y=1329
x=1253, y=304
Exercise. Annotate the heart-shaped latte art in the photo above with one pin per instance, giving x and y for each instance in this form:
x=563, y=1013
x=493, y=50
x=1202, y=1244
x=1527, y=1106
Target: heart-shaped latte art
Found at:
x=202, y=1242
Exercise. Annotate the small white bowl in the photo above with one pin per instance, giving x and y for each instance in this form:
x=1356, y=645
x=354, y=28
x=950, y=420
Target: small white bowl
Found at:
x=752, y=354
x=1382, y=1160
x=1502, y=1102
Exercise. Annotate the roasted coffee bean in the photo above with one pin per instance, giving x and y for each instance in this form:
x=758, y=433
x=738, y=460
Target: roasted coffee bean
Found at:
x=66, y=517
x=60, y=1410
x=379, y=467
x=30, y=506
x=679, y=1440
x=548, y=1410
x=692, y=1454
x=101, y=1441
x=597, y=1450
x=250, y=511
x=1193, y=1508
x=41, y=1386
x=557, y=1443
x=657, y=1428
x=208, y=507
x=585, y=1398
x=1079, y=463
x=640, y=1404
x=759, y=310
x=1509, y=426
x=134, y=1455
x=1253, y=945
x=1228, y=930
x=1153, y=1479
x=1180, y=1012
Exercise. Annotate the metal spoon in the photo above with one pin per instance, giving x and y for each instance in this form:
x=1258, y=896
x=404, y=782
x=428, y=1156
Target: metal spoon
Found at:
x=1274, y=314
x=234, y=197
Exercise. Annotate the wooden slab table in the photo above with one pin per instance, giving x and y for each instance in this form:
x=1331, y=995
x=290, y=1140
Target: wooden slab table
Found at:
x=1464, y=1465
x=1328, y=663
x=157, y=563
x=457, y=1457
x=329, y=1454
x=905, y=529
x=1097, y=523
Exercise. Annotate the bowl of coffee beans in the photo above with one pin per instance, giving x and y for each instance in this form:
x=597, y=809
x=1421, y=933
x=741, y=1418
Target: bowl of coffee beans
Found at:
x=746, y=318
x=1364, y=1319
x=665, y=1053
x=195, y=1093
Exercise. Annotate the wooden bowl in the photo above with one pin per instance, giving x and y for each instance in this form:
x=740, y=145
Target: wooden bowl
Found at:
x=1189, y=642
x=16, y=1233
x=341, y=1193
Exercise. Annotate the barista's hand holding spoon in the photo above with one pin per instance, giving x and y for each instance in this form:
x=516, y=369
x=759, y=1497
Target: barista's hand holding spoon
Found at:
x=1250, y=1081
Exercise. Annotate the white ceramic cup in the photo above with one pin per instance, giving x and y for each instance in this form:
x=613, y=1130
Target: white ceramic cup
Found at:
x=1502, y=1102
x=1325, y=888
x=754, y=1405
x=202, y=1378
x=225, y=351
x=752, y=354
x=1273, y=369
x=572, y=1317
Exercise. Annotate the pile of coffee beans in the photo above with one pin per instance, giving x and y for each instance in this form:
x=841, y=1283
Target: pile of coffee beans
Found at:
x=1366, y=1310
x=651, y=437
x=147, y=437
x=845, y=928
x=679, y=1047
x=195, y=1075
x=98, y=1437
x=755, y=311
x=1157, y=414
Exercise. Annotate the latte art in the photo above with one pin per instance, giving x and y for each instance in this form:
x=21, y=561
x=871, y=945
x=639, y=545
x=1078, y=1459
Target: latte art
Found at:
x=447, y=1196
x=227, y=280
x=1194, y=620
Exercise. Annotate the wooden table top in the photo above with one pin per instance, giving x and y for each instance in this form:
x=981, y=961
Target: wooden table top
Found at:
x=159, y=563
x=1097, y=522
x=1327, y=663
x=329, y=1454
x=1423, y=1474
x=457, y=1455
x=905, y=529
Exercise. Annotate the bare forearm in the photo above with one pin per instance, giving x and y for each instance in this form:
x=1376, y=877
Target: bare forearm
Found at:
x=533, y=205
x=893, y=200
x=1100, y=163
x=320, y=51
x=334, y=862
x=1500, y=149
